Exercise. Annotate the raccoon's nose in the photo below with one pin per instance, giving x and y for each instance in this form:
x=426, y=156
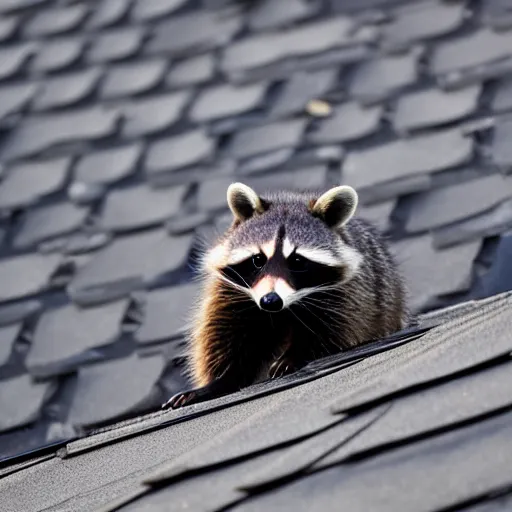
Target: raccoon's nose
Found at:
x=271, y=302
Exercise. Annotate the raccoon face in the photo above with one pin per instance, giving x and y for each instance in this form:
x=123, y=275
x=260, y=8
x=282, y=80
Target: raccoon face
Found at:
x=284, y=247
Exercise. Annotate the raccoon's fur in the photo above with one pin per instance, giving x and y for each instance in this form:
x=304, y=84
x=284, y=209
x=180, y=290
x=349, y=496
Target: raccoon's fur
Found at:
x=294, y=278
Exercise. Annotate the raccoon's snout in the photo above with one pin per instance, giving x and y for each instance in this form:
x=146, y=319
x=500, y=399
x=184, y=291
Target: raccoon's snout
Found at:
x=271, y=302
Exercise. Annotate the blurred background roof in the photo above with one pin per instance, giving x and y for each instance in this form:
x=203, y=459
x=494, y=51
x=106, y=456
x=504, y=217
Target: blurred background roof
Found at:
x=122, y=122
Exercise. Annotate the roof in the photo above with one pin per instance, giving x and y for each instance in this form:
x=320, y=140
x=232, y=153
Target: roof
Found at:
x=123, y=122
x=420, y=421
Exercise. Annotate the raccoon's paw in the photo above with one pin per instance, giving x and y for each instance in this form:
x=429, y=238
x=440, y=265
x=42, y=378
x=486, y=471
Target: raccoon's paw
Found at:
x=281, y=367
x=181, y=399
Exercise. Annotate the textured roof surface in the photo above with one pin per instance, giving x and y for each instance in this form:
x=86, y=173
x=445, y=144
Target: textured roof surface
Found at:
x=122, y=122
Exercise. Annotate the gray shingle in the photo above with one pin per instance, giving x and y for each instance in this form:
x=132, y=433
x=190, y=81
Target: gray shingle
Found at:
x=127, y=264
x=265, y=161
x=212, y=193
x=269, y=14
x=67, y=336
x=144, y=10
x=407, y=157
x=301, y=88
x=8, y=26
x=166, y=313
x=14, y=98
x=19, y=311
x=378, y=214
x=21, y=401
x=108, y=165
x=434, y=106
x=81, y=243
x=153, y=114
x=380, y=77
x=8, y=335
x=501, y=154
x=140, y=206
x=430, y=273
x=262, y=50
x=25, y=275
x=58, y=53
x=107, y=13
x=111, y=389
x=128, y=79
x=81, y=193
x=499, y=277
x=116, y=44
x=262, y=139
x=193, y=31
x=36, y=134
x=503, y=97
x=489, y=223
x=191, y=71
x=349, y=121
x=227, y=100
x=26, y=183
x=478, y=47
x=457, y=202
x=179, y=151
x=14, y=58
x=421, y=20
x=49, y=221
x=66, y=90
x=54, y=21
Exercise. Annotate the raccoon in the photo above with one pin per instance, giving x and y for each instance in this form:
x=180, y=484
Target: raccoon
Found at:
x=295, y=278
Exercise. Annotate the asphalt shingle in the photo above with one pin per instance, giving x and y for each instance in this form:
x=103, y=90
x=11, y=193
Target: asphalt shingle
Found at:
x=8, y=335
x=420, y=20
x=21, y=401
x=407, y=157
x=192, y=32
x=25, y=275
x=127, y=79
x=14, y=58
x=144, y=10
x=55, y=21
x=127, y=264
x=108, y=165
x=152, y=114
x=268, y=14
x=108, y=13
x=180, y=151
x=36, y=134
x=66, y=337
x=58, y=53
x=501, y=152
x=349, y=121
x=48, y=221
x=430, y=273
x=226, y=100
x=307, y=39
x=166, y=313
x=116, y=44
x=140, y=206
x=14, y=99
x=67, y=90
x=25, y=183
x=269, y=137
x=479, y=47
x=301, y=88
x=191, y=71
x=459, y=202
x=434, y=106
x=378, y=78
x=114, y=388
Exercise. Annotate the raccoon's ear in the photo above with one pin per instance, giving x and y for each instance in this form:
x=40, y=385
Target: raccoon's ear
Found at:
x=243, y=201
x=336, y=206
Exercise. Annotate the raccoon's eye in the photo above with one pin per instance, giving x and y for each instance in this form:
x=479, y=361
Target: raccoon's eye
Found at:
x=258, y=260
x=297, y=263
